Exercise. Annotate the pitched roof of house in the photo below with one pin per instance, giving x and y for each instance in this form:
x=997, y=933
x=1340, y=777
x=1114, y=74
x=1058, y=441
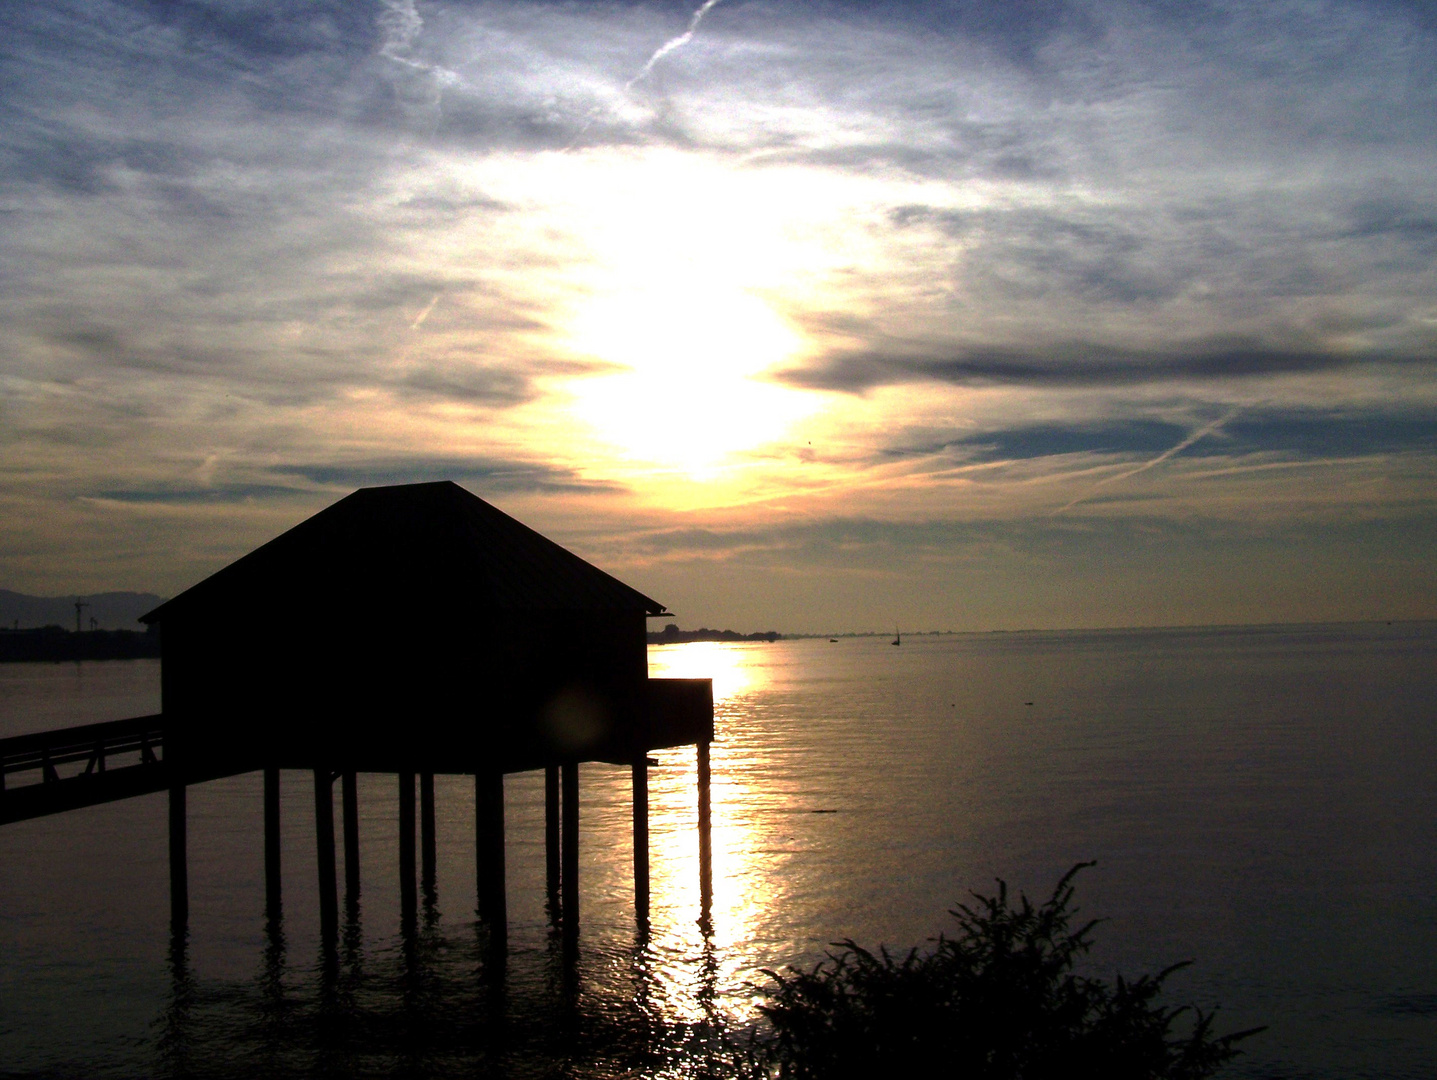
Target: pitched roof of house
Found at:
x=412, y=543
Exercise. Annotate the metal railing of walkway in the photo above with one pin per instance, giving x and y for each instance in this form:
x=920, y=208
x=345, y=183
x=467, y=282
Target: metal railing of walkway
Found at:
x=69, y=768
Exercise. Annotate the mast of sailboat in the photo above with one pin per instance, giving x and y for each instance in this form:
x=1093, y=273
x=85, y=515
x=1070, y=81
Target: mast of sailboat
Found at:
x=897, y=637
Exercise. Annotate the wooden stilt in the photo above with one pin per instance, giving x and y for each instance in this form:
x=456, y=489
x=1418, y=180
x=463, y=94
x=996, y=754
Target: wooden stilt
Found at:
x=551, y=835
x=349, y=798
x=324, y=850
x=641, y=839
x=569, y=847
x=408, y=899
x=426, y=829
x=272, y=888
x=705, y=830
x=179, y=869
x=489, y=850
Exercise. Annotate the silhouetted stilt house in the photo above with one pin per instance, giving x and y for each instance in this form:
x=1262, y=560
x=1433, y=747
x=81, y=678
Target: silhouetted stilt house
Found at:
x=417, y=630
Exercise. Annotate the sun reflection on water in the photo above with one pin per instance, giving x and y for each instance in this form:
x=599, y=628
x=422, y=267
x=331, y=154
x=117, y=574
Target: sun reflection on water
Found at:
x=736, y=669
x=694, y=957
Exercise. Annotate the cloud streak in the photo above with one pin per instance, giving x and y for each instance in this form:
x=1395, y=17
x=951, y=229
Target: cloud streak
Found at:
x=425, y=312
x=1126, y=474
x=674, y=43
x=1084, y=364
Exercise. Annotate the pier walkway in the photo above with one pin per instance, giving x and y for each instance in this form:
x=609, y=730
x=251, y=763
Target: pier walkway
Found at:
x=51, y=772
x=70, y=768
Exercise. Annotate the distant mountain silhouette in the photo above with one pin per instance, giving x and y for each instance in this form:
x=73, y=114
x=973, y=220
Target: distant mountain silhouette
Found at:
x=110, y=610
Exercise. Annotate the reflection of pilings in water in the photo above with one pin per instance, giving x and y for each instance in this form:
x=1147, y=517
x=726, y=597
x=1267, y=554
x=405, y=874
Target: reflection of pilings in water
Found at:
x=560, y=966
x=551, y=841
x=707, y=993
x=641, y=961
x=324, y=850
x=274, y=951
x=273, y=891
x=179, y=871
x=419, y=1004
x=273, y=1007
x=173, y=1047
x=353, y=940
x=711, y=1043
x=349, y=797
x=706, y=887
x=426, y=836
x=493, y=955
x=494, y=974
x=332, y=1023
x=330, y=1013
x=407, y=897
x=421, y=1009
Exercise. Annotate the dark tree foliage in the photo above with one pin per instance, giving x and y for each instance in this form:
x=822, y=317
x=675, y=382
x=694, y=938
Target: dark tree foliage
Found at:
x=997, y=1001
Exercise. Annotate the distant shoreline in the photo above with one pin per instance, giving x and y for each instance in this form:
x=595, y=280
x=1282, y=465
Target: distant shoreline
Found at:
x=672, y=635
x=56, y=644
x=53, y=644
x=657, y=638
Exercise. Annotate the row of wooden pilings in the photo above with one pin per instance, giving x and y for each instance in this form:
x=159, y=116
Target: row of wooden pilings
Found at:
x=561, y=844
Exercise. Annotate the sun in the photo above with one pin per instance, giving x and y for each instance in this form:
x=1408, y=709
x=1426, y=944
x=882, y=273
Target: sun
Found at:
x=691, y=354
x=680, y=271
x=669, y=288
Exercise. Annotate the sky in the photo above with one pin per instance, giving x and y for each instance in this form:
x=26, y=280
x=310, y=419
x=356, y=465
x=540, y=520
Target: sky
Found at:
x=794, y=314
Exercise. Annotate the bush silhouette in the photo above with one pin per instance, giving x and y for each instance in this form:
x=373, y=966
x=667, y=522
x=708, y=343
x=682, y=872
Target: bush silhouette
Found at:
x=997, y=1001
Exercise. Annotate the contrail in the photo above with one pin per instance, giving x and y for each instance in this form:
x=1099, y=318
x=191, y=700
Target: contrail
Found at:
x=401, y=23
x=1205, y=430
x=659, y=53
x=674, y=42
x=418, y=322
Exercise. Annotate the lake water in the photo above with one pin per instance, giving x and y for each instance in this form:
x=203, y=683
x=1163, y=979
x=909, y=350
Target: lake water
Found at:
x=1263, y=800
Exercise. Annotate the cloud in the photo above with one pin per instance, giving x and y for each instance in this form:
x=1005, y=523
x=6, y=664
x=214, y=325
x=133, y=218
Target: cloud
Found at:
x=184, y=495
x=1019, y=245
x=469, y=384
x=864, y=544
x=1080, y=364
x=1321, y=434
x=300, y=480
x=1049, y=440
x=1286, y=433
x=484, y=474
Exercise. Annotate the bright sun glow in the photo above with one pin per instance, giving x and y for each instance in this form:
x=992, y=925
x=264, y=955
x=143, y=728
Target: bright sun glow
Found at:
x=688, y=396
x=684, y=254
x=688, y=266
x=683, y=279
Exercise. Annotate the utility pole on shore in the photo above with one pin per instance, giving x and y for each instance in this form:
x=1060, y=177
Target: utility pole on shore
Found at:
x=79, y=604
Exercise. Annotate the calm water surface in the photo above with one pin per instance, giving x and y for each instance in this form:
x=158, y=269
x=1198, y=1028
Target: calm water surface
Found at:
x=1262, y=800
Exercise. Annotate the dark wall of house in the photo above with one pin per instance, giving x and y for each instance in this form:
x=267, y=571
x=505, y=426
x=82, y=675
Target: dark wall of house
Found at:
x=412, y=690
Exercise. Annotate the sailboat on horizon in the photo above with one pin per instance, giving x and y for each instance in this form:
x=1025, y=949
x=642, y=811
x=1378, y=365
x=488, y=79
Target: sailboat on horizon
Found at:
x=897, y=637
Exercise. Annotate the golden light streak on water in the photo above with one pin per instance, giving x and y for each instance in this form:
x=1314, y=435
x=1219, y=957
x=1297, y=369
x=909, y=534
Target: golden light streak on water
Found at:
x=736, y=669
x=690, y=957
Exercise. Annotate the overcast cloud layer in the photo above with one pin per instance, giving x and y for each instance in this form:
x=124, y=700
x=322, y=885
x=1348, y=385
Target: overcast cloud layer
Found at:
x=803, y=315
